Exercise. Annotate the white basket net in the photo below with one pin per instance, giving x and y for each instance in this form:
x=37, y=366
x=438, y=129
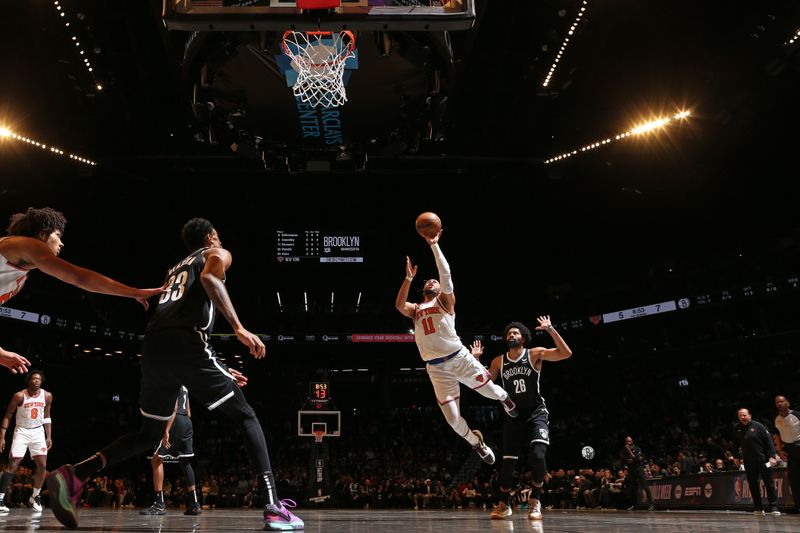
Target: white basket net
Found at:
x=319, y=59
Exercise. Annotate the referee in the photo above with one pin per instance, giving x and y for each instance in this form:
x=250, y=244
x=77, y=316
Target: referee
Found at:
x=788, y=424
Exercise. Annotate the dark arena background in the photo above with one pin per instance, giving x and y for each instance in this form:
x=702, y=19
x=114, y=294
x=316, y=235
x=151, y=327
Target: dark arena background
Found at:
x=628, y=168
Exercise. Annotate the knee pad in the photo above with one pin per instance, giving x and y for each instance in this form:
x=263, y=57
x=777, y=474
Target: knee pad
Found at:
x=507, y=473
x=537, y=460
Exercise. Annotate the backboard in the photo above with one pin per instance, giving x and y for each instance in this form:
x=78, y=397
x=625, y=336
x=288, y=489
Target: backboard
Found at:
x=281, y=15
x=309, y=421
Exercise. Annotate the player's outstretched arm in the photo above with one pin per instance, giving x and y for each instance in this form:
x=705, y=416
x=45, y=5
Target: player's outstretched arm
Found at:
x=39, y=255
x=14, y=362
x=401, y=303
x=447, y=295
x=495, y=367
x=561, y=351
x=218, y=260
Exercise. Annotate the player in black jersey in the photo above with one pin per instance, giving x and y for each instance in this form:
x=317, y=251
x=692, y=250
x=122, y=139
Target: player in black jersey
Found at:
x=519, y=371
x=176, y=445
x=177, y=352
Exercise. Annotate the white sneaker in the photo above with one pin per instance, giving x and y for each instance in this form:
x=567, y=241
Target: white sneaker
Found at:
x=501, y=511
x=36, y=502
x=535, y=510
x=482, y=449
x=3, y=507
x=758, y=513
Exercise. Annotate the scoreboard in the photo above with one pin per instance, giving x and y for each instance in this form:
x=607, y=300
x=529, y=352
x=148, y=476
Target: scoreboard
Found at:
x=313, y=245
x=318, y=392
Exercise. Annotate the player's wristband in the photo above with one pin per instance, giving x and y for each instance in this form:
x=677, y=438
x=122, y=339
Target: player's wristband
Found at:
x=409, y=278
x=46, y=421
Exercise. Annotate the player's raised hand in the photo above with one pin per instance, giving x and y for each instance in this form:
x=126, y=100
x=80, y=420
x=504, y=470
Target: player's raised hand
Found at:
x=411, y=270
x=433, y=240
x=476, y=349
x=544, y=322
x=253, y=343
x=241, y=379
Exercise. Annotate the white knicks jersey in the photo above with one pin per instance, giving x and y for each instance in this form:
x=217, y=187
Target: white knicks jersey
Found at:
x=12, y=278
x=31, y=413
x=435, y=331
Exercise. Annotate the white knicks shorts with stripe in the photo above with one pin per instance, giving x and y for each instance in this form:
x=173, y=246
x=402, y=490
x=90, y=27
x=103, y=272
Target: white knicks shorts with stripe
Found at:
x=463, y=368
x=28, y=439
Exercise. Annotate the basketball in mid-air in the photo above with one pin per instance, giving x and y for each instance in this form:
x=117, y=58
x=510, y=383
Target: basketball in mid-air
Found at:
x=428, y=224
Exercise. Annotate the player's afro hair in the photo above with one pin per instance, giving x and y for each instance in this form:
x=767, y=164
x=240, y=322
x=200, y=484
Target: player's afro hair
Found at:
x=36, y=222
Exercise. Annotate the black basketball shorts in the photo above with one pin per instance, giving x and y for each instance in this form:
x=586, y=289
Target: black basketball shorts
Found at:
x=180, y=440
x=530, y=427
x=181, y=356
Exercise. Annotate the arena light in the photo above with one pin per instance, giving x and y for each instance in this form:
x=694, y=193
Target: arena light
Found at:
x=794, y=38
x=6, y=133
x=565, y=43
x=74, y=39
x=636, y=130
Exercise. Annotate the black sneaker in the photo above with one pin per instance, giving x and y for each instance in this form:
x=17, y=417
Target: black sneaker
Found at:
x=36, y=502
x=510, y=407
x=193, y=509
x=155, y=510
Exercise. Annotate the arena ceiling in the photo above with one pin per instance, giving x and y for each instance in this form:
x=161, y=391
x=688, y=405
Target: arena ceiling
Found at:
x=703, y=202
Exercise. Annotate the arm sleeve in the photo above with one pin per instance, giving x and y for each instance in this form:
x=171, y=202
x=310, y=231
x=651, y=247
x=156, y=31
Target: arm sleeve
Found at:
x=445, y=279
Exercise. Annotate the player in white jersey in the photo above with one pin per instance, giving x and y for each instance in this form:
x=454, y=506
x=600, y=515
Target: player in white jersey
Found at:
x=34, y=241
x=33, y=434
x=449, y=363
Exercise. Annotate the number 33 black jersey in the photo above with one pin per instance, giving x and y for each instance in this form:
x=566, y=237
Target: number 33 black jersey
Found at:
x=186, y=304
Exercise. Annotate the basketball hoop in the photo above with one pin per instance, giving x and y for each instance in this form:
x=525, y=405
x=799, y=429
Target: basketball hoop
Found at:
x=319, y=59
x=318, y=434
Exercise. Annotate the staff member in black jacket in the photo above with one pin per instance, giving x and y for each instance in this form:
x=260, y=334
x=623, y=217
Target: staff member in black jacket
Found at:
x=758, y=453
x=788, y=425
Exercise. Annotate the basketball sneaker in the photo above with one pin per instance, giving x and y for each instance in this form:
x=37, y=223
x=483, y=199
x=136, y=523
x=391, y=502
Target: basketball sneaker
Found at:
x=501, y=511
x=280, y=518
x=193, y=509
x=156, y=509
x=483, y=451
x=535, y=512
x=36, y=502
x=510, y=407
x=65, y=494
x=3, y=507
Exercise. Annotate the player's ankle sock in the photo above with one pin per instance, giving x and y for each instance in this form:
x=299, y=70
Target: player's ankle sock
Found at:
x=36, y=491
x=269, y=487
x=89, y=466
x=191, y=498
x=4, y=482
x=160, y=497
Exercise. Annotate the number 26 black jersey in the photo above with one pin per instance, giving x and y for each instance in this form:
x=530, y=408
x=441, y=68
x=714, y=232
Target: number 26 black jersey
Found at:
x=521, y=381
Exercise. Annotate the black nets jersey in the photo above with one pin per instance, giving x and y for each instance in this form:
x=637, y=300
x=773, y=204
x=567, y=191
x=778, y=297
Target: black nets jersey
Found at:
x=186, y=304
x=521, y=381
x=183, y=401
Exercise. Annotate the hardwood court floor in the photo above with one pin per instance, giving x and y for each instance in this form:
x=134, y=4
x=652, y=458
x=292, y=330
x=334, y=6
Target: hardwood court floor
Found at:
x=408, y=521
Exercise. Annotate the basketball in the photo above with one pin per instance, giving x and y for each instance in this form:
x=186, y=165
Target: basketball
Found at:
x=428, y=224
